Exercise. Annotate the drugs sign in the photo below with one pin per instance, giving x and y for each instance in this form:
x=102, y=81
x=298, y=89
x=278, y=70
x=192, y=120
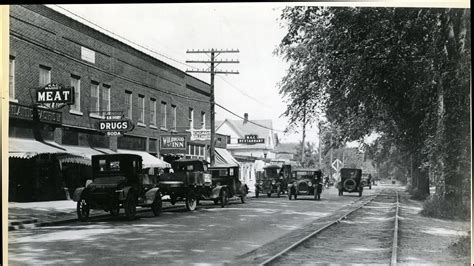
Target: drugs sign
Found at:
x=115, y=127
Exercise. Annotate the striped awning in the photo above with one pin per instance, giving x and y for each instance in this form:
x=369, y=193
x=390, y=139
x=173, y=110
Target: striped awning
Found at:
x=224, y=158
x=149, y=161
x=27, y=148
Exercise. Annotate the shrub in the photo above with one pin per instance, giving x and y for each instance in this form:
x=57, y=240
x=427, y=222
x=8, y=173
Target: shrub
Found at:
x=436, y=206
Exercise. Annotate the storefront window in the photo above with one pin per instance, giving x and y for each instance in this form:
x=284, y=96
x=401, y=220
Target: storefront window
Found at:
x=12, y=78
x=141, y=108
x=128, y=104
x=44, y=75
x=76, y=83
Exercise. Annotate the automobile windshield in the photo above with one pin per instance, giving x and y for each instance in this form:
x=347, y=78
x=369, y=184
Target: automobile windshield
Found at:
x=303, y=175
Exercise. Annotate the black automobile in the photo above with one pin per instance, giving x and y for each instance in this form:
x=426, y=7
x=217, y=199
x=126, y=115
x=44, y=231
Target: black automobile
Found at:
x=225, y=185
x=271, y=181
x=305, y=181
x=367, y=180
x=351, y=181
x=118, y=181
x=189, y=181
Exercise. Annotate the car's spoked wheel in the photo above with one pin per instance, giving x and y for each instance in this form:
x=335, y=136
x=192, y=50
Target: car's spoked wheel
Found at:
x=130, y=206
x=224, y=198
x=157, y=205
x=191, y=202
x=243, y=198
x=83, y=210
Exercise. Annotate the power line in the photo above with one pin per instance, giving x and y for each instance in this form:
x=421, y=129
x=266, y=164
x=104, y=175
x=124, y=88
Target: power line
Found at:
x=128, y=40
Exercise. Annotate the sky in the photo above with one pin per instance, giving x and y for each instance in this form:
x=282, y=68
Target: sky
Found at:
x=171, y=29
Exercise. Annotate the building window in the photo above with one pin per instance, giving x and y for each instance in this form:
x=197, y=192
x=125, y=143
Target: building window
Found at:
x=152, y=112
x=191, y=118
x=105, y=101
x=173, y=110
x=12, y=78
x=128, y=104
x=163, y=115
x=95, y=99
x=152, y=147
x=203, y=120
x=76, y=84
x=44, y=75
x=141, y=108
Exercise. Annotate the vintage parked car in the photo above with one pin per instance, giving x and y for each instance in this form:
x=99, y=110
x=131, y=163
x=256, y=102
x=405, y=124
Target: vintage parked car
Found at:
x=225, y=185
x=367, y=180
x=270, y=182
x=305, y=181
x=187, y=181
x=118, y=182
x=351, y=181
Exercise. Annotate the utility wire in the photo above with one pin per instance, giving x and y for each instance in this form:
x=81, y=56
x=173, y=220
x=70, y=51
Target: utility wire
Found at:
x=128, y=40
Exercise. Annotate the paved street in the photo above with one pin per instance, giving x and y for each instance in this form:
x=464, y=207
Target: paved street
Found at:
x=209, y=235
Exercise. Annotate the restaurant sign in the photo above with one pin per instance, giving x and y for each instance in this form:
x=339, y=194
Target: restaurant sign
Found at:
x=114, y=125
x=251, y=139
x=28, y=113
x=173, y=143
x=201, y=134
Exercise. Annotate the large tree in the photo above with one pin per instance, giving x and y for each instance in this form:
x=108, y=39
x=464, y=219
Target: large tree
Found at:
x=404, y=73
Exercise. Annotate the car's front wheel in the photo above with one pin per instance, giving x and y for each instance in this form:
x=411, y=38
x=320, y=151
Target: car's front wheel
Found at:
x=191, y=202
x=224, y=198
x=157, y=205
x=83, y=210
x=130, y=206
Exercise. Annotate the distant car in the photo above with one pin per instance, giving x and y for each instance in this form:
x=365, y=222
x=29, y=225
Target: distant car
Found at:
x=367, y=180
x=225, y=184
x=118, y=182
x=270, y=183
x=351, y=181
x=305, y=181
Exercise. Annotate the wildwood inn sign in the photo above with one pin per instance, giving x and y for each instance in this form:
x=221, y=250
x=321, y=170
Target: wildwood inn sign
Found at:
x=251, y=139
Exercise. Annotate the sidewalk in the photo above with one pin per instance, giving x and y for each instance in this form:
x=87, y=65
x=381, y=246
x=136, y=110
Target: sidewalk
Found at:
x=23, y=215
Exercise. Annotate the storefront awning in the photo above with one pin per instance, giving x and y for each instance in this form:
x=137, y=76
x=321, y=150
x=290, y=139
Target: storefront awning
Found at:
x=224, y=158
x=149, y=161
x=27, y=148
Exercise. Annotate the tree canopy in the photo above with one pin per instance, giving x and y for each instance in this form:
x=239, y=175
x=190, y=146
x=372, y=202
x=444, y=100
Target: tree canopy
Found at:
x=401, y=72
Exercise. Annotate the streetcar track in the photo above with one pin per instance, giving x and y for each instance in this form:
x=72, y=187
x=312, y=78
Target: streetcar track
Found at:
x=393, y=258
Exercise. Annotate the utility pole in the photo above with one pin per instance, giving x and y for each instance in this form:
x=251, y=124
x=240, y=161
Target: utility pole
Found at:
x=213, y=63
x=304, y=135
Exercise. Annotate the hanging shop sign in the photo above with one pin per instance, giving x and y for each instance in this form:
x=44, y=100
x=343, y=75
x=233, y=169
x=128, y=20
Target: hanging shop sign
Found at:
x=251, y=139
x=55, y=96
x=25, y=112
x=115, y=125
x=173, y=143
x=201, y=134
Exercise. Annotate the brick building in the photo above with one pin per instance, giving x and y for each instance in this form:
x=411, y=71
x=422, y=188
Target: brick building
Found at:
x=108, y=76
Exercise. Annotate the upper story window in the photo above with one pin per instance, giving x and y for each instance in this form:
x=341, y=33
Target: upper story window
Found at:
x=95, y=99
x=128, y=104
x=76, y=84
x=141, y=108
x=12, y=78
x=105, y=99
x=87, y=55
x=203, y=120
x=152, y=112
x=44, y=75
x=173, y=113
x=191, y=118
x=163, y=115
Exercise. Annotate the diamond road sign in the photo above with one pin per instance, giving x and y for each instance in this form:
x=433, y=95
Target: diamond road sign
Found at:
x=337, y=165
